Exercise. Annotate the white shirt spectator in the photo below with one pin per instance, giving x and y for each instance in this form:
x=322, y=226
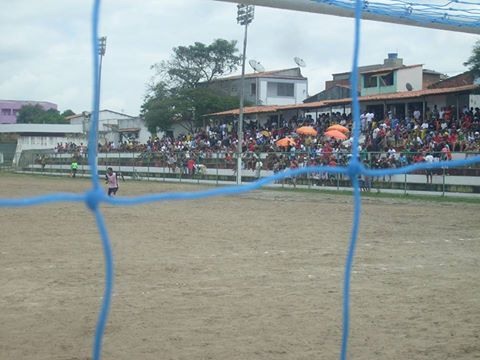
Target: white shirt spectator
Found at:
x=392, y=152
x=369, y=116
x=441, y=113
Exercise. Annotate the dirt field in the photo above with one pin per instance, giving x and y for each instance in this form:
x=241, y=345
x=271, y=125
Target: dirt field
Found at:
x=257, y=276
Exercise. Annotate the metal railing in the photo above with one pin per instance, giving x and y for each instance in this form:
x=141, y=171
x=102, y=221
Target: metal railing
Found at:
x=220, y=168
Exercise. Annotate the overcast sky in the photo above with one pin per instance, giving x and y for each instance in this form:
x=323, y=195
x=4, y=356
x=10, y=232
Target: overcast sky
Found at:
x=45, y=50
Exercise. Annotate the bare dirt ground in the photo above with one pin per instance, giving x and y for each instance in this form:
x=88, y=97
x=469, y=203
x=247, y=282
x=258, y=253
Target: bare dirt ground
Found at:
x=258, y=276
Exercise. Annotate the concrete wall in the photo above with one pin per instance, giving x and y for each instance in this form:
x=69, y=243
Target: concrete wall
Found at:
x=267, y=97
x=47, y=142
x=414, y=76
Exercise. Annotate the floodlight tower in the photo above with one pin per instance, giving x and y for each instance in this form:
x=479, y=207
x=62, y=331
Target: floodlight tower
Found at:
x=102, y=47
x=245, y=15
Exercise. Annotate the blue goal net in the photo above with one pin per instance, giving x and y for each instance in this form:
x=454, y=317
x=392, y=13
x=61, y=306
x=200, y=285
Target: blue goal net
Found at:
x=459, y=14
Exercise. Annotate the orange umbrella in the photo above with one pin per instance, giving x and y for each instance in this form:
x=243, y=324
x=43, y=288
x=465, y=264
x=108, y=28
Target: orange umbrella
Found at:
x=306, y=130
x=336, y=134
x=285, y=142
x=338, y=127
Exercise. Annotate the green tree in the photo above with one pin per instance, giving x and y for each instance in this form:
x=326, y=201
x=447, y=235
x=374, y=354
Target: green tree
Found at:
x=187, y=106
x=159, y=108
x=67, y=113
x=35, y=114
x=473, y=61
x=191, y=65
x=182, y=94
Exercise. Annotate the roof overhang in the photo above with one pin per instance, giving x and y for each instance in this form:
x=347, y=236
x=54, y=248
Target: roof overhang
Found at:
x=404, y=95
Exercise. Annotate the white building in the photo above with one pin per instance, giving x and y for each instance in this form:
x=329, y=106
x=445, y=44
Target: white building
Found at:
x=42, y=136
x=279, y=87
x=113, y=126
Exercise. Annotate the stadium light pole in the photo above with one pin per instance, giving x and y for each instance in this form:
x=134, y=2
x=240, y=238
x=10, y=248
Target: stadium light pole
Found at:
x=102, y=48
x=245, y=15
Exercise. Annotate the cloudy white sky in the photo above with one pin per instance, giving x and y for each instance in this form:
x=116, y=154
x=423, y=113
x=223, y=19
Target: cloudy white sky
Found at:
x=45, y=50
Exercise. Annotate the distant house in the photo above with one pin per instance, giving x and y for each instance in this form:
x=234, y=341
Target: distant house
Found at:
x=466, y=78
x=392, y=80
x=113, y=126
x=9, y=109
x=278, y=87
x=390, y=77
x=389, y=88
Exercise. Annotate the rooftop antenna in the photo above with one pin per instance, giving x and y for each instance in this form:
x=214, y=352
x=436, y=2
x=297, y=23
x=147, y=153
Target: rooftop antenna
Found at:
x=256, y=66
x=299, y=62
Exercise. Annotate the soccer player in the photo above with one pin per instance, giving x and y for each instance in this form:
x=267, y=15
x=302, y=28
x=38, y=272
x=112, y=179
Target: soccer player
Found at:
x=112, y=180
x=74, y=168
x=429, y=159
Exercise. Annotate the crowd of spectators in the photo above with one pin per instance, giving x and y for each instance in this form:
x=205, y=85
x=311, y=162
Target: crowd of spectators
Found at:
x=386, y=142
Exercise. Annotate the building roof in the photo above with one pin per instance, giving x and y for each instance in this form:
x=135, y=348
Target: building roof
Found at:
x=404, y=95
x=433, y=72
x=267, y=74
x=466, y=78
x=104, y=110
x=29, y=102
x=41, y=128
x=391, y=68
x=326, y=91
x=385, y=97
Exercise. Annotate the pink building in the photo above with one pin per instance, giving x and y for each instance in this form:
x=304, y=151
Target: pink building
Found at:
x=10, y=108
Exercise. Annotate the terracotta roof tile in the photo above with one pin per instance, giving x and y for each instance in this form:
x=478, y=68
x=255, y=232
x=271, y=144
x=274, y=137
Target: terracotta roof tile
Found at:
x=384, y=97
x=320, y=104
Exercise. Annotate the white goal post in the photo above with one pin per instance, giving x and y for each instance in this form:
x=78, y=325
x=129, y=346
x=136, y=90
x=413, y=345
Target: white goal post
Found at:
x=327, y=9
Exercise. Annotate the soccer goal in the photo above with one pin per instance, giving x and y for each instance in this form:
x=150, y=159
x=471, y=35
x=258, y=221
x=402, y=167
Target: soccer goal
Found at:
x=458, y=15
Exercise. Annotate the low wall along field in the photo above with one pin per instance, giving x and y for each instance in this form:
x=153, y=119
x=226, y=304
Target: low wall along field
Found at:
x=258, y=276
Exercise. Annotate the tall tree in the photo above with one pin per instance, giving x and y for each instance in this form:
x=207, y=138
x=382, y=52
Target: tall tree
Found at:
x=182, y=94
x=190, y=65
x=159, y=108
x=186, y=106
x=35, y=114
x=473, y=61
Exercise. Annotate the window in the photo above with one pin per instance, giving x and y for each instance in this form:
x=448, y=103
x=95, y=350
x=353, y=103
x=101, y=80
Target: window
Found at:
x=281, y=89
x=6, y=111
x=386, y=80
x=253, y=89
x=285, y=89
x=370, y=81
